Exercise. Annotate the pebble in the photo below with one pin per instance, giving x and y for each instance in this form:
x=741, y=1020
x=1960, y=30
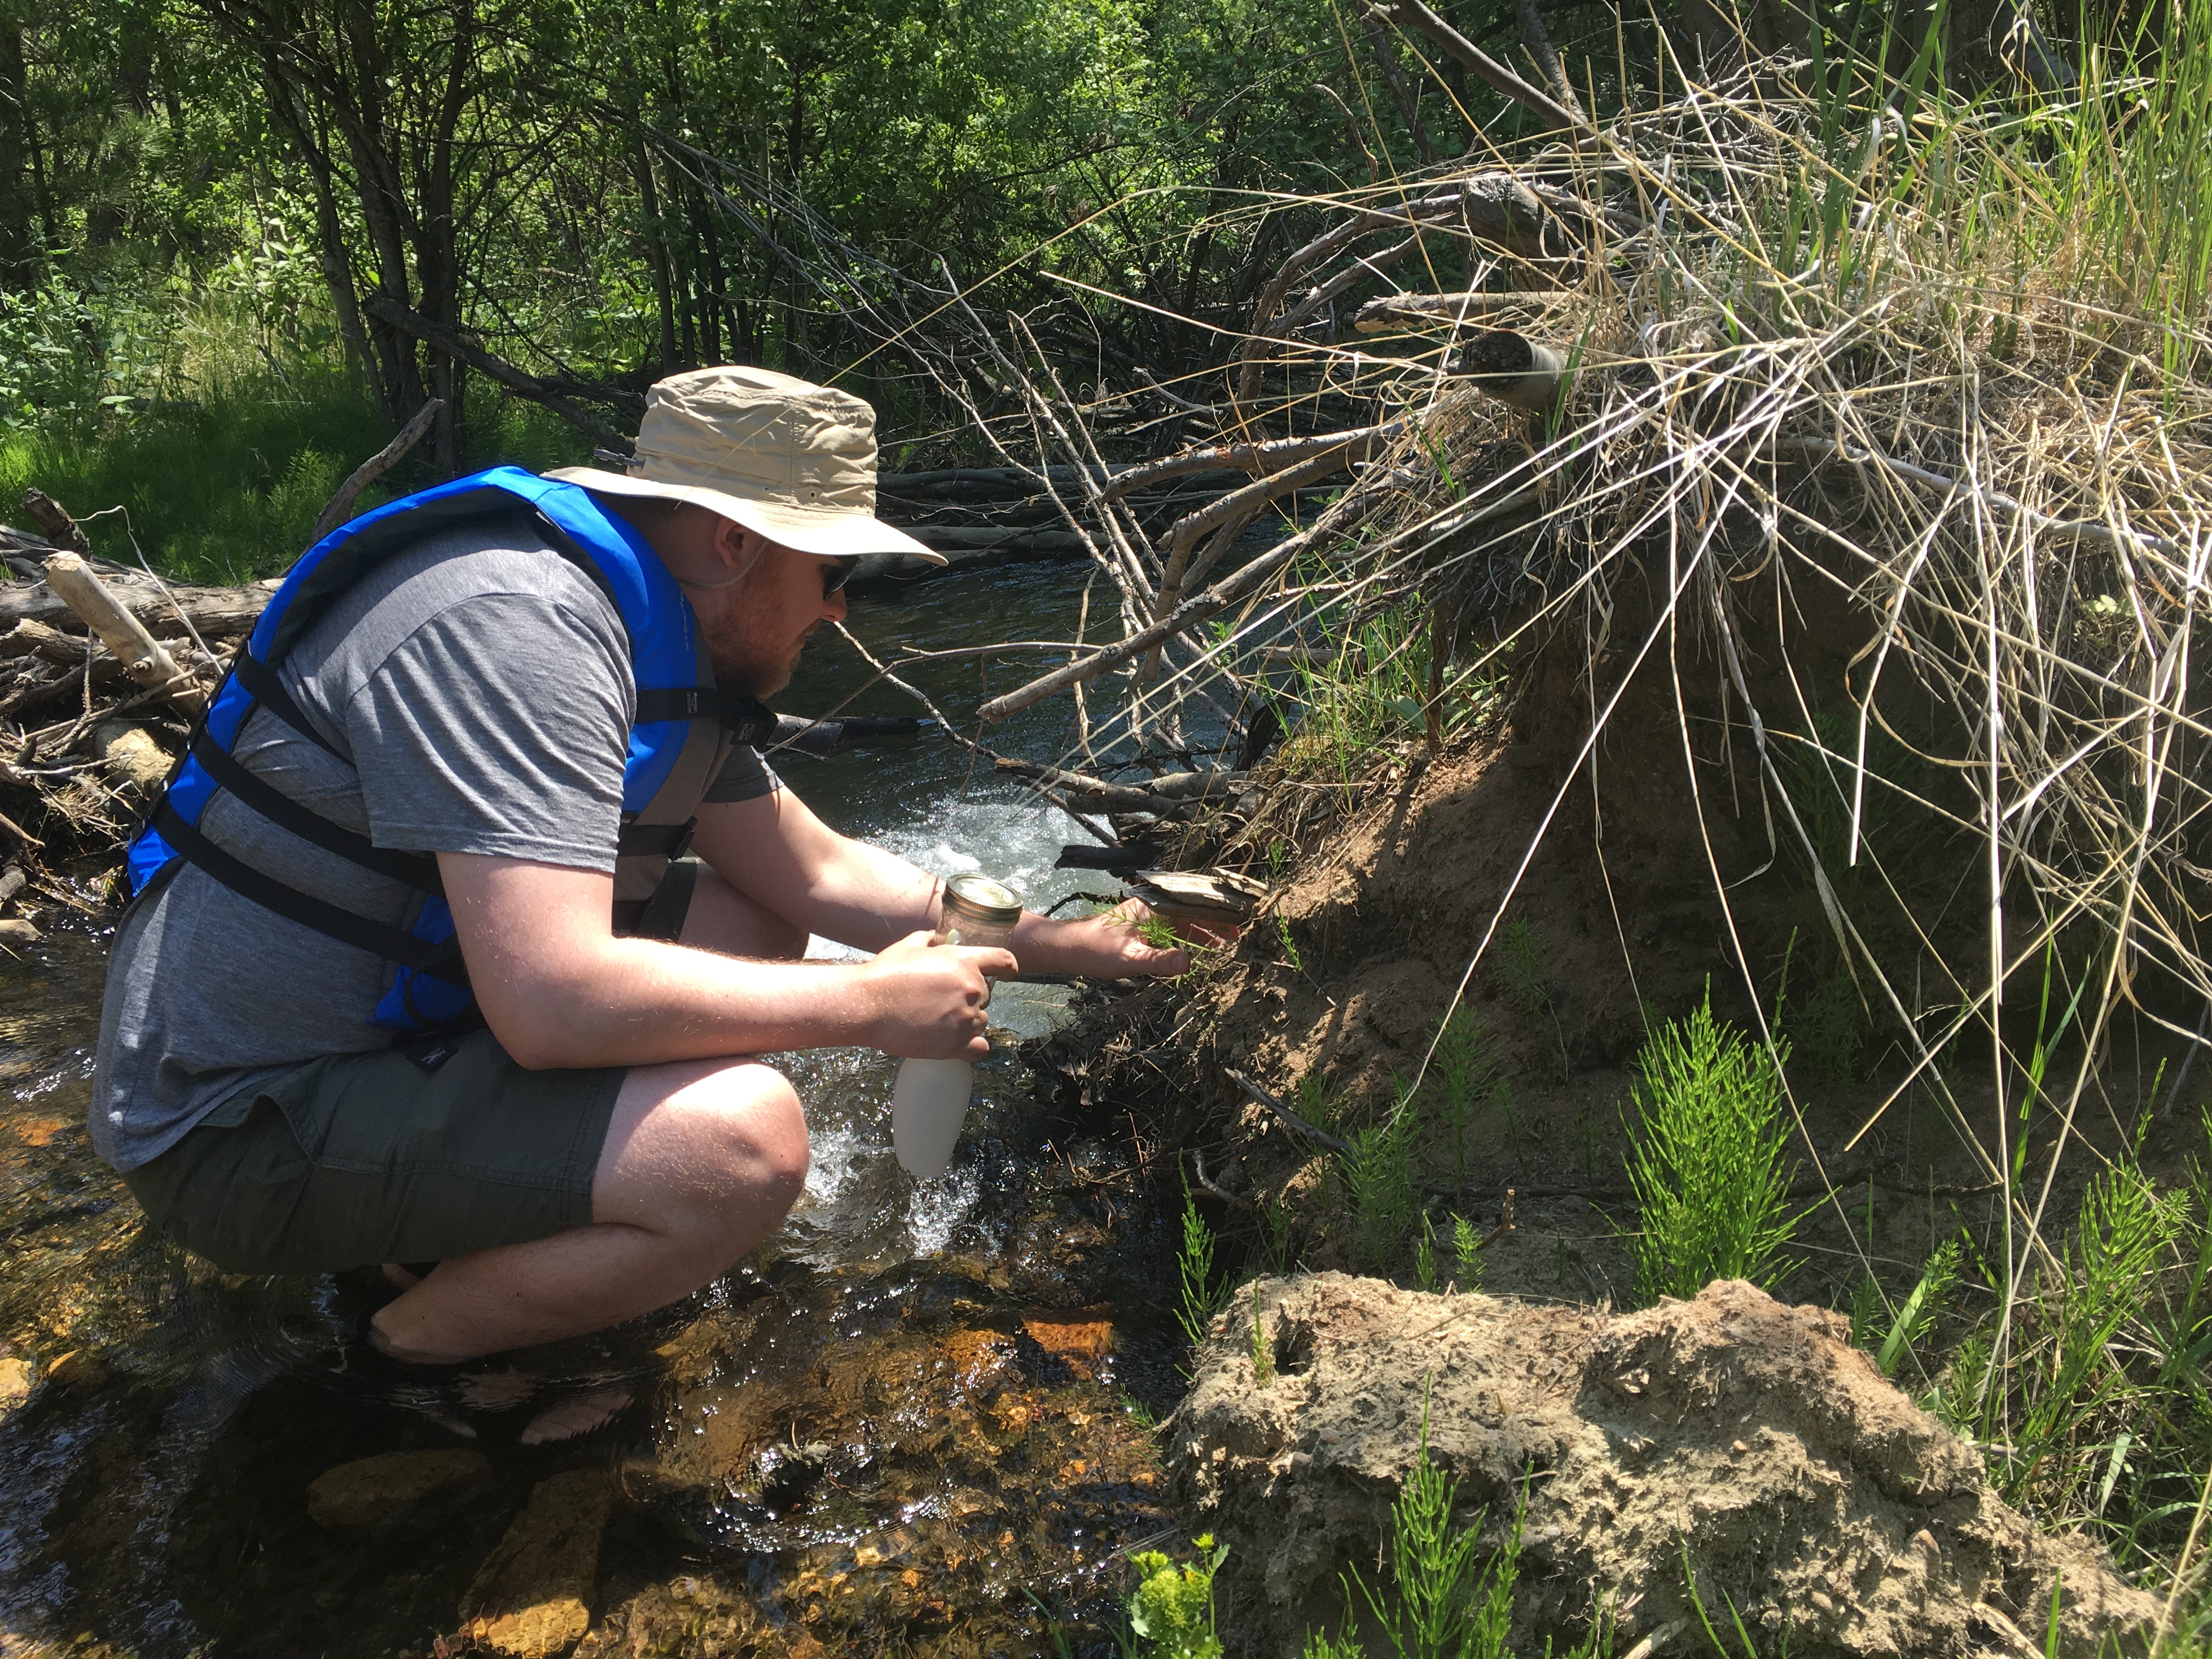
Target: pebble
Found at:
x=380, y=1491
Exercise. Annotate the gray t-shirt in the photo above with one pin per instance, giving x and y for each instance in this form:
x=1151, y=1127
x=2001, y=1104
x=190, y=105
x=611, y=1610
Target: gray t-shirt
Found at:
x=480, y=687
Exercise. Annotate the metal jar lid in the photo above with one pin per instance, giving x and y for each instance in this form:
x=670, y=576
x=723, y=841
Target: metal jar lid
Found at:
x=979, y=900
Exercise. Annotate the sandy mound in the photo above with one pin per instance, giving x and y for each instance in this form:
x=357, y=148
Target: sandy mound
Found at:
x=1743, y=1438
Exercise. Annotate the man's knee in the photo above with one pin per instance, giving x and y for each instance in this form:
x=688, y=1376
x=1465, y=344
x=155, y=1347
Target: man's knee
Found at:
x=704, y=1148
x=762, y=1134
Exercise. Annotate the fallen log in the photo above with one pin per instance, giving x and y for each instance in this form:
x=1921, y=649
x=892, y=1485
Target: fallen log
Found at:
x=35, y=638
x=214, y=612
x=1520, y=373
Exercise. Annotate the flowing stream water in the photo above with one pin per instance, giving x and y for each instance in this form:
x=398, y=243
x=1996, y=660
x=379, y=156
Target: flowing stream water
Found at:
x=918, y=1420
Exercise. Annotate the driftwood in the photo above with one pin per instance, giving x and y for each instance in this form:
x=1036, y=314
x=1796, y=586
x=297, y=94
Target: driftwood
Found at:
x=143, y=658
x=1095, y=794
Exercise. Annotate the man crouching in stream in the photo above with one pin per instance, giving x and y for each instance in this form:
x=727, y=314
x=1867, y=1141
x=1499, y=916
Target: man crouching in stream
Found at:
x=416, y=974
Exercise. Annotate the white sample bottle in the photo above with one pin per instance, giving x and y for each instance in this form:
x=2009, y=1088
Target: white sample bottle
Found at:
x=929, y=1102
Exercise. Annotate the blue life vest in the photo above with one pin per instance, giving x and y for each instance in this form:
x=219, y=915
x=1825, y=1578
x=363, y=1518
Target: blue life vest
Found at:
x=683, y=727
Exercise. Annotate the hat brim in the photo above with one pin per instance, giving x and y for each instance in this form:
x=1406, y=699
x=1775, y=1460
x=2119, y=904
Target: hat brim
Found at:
x=824, y=535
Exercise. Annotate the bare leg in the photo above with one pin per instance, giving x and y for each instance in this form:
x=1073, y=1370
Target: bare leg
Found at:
x=701, y=1161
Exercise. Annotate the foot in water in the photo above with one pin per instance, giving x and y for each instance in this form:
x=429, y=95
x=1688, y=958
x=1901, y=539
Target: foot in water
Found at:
x=487, y=1387
x=583, y=1414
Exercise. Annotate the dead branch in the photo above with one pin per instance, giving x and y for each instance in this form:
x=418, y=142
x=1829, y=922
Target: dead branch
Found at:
x=1538, y=39
x=497, y=369
x=1396, y=312
x=63, y=530
x=341, y=505
x=1252, y=456
x=1500, y=78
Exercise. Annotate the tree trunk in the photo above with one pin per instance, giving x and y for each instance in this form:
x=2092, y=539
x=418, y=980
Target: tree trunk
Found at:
x=18, y=206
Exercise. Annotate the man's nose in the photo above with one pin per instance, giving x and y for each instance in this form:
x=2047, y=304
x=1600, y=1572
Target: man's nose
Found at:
x=834, y=608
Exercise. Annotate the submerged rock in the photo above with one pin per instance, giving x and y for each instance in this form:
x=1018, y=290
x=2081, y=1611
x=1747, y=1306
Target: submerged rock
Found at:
x=1729, y=1447
x=17, y=1378
x=533, y=1596
x=385, y=1490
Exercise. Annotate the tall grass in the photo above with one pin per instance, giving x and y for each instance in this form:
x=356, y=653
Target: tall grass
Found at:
x=2099, y=1410
x=2137, y=174
x=221, y=451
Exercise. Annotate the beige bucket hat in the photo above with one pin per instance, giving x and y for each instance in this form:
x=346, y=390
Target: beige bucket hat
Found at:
x=780, y=455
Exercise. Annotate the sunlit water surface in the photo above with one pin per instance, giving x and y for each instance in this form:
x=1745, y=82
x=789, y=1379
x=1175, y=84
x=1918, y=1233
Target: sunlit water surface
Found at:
x=917, y=1420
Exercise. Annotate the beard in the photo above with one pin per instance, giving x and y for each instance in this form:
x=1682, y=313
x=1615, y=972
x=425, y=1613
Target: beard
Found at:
x=746, y=657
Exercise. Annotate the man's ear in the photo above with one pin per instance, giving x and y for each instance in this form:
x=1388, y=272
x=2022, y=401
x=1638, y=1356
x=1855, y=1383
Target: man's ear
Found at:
x=735, y=546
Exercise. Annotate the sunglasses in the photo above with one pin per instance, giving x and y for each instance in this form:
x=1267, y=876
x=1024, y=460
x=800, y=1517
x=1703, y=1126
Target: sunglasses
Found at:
x=835, y=578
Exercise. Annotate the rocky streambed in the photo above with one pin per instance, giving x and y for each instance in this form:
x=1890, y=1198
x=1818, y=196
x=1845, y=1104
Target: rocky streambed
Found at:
x=921, y=1420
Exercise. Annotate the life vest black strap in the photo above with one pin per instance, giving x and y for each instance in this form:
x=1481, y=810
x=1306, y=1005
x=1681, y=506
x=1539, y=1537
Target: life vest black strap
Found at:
x=419, y=870
x=655, y=841
x=442, y=957
x=749, y=721
x=257, y=678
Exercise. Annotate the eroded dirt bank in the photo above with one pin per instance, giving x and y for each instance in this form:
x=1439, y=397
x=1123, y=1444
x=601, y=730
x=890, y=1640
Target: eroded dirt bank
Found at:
x=1731, y=1443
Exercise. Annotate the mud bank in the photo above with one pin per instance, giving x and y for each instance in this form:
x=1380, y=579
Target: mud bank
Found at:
x=1730, y=1444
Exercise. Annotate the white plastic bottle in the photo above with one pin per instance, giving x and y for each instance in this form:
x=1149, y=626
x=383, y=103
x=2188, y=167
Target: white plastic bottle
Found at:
x=929, y=1102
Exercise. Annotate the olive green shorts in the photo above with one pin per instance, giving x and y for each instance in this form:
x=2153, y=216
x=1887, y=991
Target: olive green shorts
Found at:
x=415, y=1153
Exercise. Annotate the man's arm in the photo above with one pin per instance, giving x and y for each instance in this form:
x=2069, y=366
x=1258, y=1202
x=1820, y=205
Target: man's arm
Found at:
x=773, y=849
x=559, y=990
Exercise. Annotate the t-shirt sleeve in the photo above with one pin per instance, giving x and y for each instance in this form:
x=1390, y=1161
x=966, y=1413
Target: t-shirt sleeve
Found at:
x=744, y=776
x=498, y=726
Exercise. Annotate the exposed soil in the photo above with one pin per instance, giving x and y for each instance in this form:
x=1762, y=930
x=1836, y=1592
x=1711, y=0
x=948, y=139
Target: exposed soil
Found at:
x=1730, y=1447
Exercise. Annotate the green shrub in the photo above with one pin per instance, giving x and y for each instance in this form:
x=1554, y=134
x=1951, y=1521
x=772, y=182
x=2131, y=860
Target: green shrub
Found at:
x=1376, y=1167
x=1705, y=1159
x=1171, y=1610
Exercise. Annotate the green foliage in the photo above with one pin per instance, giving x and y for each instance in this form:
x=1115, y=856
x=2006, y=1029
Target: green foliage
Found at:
x=1424, y=1257
x=1468, y=1081
x=1521, y=969
x=1705, y=1160
x=1738, y=1643
x=1915, y=1319
x=1374, y=690
x=1171, y=1610
x=1195, y=1272
x=1377, y=1169
x=1441, y=1602
x=2099, y=1412
x=1466, y=1254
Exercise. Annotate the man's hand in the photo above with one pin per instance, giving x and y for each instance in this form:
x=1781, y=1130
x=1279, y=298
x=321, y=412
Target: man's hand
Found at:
x=1107, y=945
x=927, y=997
